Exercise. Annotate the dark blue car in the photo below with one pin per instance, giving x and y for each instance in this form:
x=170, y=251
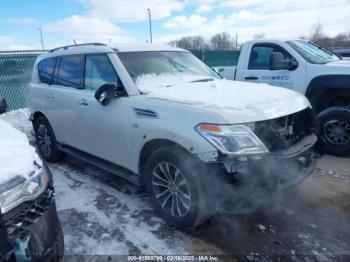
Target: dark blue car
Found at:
x=343, y=53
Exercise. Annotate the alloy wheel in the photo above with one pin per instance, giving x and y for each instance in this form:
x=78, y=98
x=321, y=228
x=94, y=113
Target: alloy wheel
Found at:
x=171, y=189
x=44, y=141
x=337, y=132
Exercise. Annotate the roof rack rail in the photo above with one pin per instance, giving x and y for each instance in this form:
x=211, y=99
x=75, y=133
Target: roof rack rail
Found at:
x=69, y=46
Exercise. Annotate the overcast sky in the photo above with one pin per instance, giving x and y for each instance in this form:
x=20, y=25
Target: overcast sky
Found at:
x=124, y=21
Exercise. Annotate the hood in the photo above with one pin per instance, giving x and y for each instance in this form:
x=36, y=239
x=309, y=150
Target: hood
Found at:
x=17, y=156
x=343, y=62
x=235, y=102
x=339, y=67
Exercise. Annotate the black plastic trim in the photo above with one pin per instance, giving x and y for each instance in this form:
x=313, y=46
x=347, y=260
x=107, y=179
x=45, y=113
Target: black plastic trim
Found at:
x=103, y=164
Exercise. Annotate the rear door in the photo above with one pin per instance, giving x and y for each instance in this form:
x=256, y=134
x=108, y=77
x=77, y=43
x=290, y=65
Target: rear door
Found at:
x=103, y=130
x=63, y=97
x=41, y=90
x=257, y=68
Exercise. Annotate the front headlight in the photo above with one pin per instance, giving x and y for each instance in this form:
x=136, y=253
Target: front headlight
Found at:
x=232, y=139
x=19, y=190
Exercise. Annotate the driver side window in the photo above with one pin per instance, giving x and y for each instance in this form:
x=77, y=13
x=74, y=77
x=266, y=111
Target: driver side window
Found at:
x=99, y=71
x=260, y=56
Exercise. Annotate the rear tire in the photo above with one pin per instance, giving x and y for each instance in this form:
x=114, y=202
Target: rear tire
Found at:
x=172, y=178
x=335, y=130
x=46, y=141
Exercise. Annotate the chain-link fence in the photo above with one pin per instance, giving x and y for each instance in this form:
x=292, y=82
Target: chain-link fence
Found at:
x=217, y=58
x=15, y=73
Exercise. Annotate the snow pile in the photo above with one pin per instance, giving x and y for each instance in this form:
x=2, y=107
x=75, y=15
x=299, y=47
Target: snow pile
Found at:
x=19, y=119
x=218, y=93
x=17, y=157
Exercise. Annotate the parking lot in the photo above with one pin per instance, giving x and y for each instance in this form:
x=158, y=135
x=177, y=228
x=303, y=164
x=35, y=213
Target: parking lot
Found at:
x=104, y=215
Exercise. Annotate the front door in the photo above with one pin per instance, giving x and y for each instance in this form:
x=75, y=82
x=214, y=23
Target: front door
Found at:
x=103, y=129
x=258, y=70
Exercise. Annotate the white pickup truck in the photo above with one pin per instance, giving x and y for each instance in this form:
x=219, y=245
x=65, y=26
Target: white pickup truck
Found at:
x=307, y=68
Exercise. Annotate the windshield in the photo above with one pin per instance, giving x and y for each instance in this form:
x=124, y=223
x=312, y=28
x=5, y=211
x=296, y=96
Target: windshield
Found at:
x=140, y=64
x=312, y=52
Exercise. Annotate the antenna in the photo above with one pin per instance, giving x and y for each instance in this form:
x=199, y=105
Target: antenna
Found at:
x=74, y=42
x=150, y=24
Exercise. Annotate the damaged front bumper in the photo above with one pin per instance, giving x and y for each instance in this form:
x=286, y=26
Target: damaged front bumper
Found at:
x=251, y=181
x=32, y=230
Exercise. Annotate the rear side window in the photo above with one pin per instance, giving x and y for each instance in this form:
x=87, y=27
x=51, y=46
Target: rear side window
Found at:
x=260, y=56
x=46, y=70
x=99, y=71
x=70, y=71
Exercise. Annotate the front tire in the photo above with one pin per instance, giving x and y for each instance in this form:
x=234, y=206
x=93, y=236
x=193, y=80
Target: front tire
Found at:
x=173, y=182
x=46, y=141
x=335, y=130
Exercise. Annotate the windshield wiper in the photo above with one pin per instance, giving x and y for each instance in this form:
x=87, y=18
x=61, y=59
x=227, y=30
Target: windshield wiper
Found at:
x=202, y=80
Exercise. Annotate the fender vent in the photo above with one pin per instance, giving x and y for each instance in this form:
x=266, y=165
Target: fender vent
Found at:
x=145, y=113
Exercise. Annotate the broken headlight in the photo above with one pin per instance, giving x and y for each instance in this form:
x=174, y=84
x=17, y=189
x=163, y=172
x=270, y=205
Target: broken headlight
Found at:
x=232, y=139
x=20, y=189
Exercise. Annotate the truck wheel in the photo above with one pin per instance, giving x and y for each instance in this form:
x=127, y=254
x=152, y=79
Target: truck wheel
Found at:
x=172, y=180
x=335, y=129
x=46, y=141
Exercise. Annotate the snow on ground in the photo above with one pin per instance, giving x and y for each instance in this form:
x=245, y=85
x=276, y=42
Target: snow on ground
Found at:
x=112, y=218
x=17, y=157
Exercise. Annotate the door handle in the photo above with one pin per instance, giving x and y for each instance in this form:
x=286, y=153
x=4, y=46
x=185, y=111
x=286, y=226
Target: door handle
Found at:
x=50, y=96
x=251, y=78
x=83, y=102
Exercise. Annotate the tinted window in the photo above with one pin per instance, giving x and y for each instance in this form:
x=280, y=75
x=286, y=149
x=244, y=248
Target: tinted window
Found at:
x=46, y=70
x=99, y=71
x=69, y=73
x=260, y=56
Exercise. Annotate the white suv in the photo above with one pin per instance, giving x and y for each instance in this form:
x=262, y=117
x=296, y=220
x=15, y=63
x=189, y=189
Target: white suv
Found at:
x=159, y=117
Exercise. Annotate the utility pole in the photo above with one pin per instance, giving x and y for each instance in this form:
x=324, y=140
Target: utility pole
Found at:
x=236, y=41
x=150, y=24
x=41, y=39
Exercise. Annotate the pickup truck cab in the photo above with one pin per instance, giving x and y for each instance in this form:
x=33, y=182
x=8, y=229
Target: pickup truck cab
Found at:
x=160, y=118
x=309, y=69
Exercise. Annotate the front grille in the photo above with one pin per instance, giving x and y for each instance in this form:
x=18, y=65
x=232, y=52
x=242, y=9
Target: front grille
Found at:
x=18, y=220
x=283, y=132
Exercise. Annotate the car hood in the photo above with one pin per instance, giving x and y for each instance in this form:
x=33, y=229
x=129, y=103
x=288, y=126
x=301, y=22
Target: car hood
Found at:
x=235, y=102
x=17, y=157
x=343, y=62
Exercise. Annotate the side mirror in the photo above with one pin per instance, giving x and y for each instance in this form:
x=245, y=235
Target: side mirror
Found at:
x=106, y=93
x=277, y=62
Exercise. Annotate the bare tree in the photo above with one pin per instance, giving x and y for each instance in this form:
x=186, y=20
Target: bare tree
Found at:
x=222, y=41
x=190, y=42
x=340, y=40
x=316, y=32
